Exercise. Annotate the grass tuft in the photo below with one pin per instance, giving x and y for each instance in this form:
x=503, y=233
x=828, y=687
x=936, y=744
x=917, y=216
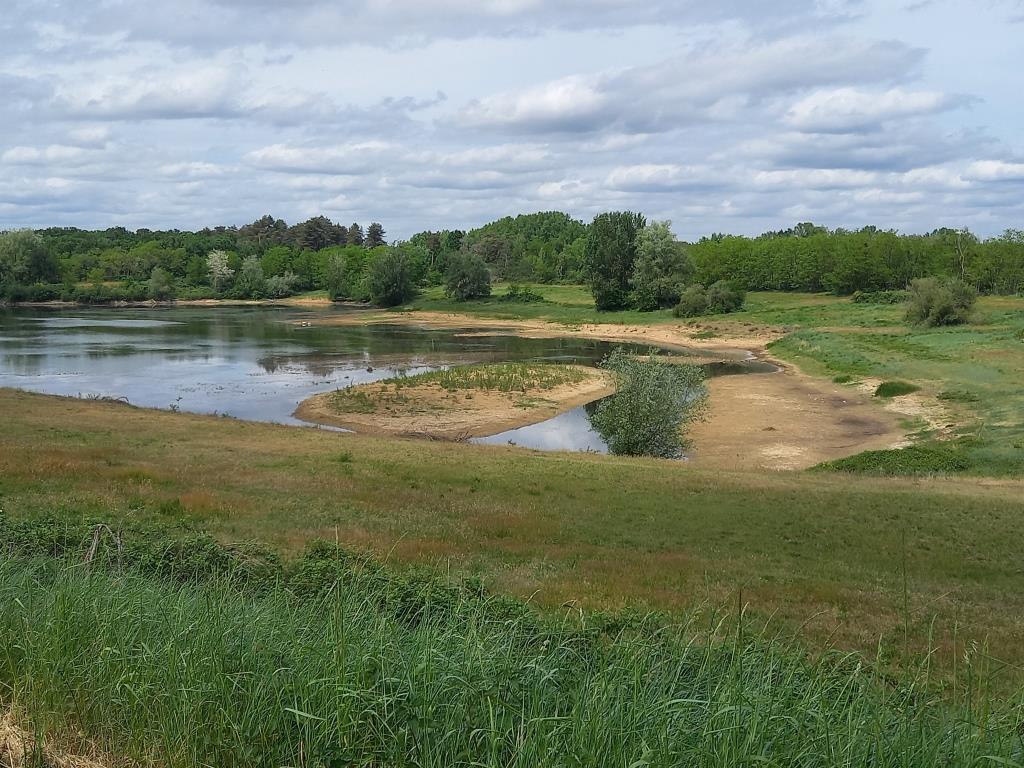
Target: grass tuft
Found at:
x=895, y=389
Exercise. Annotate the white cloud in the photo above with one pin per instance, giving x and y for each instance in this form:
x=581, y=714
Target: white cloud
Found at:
x=569, y=104
x=344, y=159
x=995, y=170
x=815, y=178
x=854, y=109
x=193, y=170
x=52, y=154
x=662, y=178
x=708, y=83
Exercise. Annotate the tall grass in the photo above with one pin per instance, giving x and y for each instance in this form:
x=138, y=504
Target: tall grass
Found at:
x=335, y=664
x=498, y=377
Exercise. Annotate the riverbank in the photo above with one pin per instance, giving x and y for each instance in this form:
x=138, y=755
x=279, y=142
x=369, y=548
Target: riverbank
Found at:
x=786, y=420
x=423, y=406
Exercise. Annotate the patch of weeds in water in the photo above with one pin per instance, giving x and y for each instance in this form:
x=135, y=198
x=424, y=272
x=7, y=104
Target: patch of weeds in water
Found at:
x=895, y=389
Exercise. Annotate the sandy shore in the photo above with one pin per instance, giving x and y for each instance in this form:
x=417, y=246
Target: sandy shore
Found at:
x=785, y=420
x=429, y=410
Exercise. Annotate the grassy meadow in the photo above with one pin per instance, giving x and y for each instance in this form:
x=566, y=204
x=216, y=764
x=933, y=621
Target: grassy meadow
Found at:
x=662, y=614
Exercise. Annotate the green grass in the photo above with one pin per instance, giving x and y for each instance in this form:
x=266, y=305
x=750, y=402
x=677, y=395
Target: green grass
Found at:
x=933, y=458
x=484, y=377
x=566, y=304
x=330, y=661
x=975, y=370
x=497, y=377
x=822, y=552
x=895, y=389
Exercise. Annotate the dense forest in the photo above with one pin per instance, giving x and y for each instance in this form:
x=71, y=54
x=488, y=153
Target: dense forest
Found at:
x=627, y=260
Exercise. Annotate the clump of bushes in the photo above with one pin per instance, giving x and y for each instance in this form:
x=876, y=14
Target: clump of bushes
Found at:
x=160, y=285
x=467, y=277
x=923, y=459
x=940, y=301
x=895, y=389
x=880, y=297
x=522, y=294
x=35, y=292
x=389, y=281
x=653, y=403
x=717, y=299
x=281, y=286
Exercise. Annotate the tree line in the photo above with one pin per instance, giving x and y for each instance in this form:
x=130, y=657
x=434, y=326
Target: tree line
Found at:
x=628, y=262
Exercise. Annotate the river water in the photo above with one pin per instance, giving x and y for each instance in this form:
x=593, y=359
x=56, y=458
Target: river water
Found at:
x=258, y=363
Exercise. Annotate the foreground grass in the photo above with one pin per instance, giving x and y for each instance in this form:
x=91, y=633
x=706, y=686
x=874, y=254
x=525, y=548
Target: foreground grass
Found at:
x=860, y=563
x=223, y=658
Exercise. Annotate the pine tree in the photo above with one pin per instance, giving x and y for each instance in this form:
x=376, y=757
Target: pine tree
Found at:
x=355, y=234
x=374, y=235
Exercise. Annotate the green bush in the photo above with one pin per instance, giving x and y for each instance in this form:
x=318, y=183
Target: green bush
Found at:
x=467, y=277
x=692, y=303
x=880, y=297
x=653, y=403
x=160, y=286
x=924, y=459
x=15, y=293
x=389, y=279
x=940, y=301
x=250, y=282
x=718, y=299
x=281, y=286
x=724, y=298
x=521, y=294
x=895, y=389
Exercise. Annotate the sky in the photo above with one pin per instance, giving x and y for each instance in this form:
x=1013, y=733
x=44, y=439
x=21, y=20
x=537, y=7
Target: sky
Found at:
x=730, y=116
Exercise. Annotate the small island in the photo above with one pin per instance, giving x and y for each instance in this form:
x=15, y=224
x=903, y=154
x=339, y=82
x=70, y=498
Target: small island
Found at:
x=459, y=403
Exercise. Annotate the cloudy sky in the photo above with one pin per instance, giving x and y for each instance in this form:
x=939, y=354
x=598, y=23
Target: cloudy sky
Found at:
x=735, y=115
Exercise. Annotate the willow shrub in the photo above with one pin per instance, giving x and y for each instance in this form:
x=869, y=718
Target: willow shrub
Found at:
x=653, y=403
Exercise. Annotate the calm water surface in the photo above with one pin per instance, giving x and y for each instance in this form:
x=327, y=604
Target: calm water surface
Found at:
x=259, y=362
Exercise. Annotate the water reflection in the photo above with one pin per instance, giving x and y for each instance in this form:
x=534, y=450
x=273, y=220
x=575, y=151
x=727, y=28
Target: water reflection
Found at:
x=248, y=362
x=259, y=362
x=569, y=431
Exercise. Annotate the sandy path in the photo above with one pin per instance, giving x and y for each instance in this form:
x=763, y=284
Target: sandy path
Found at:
x=787, y=420
x=432, y=411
